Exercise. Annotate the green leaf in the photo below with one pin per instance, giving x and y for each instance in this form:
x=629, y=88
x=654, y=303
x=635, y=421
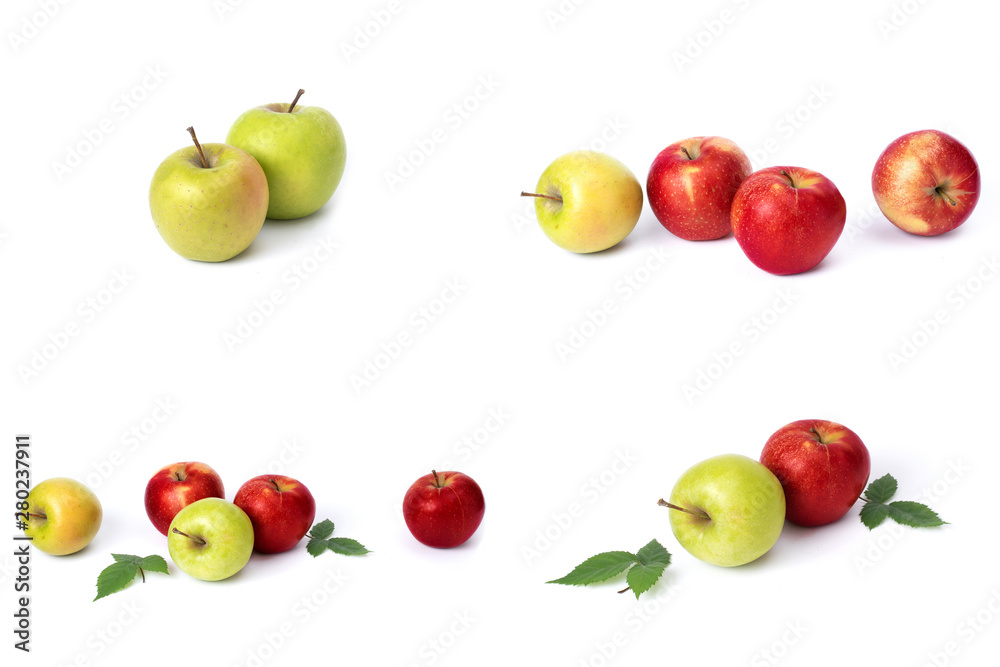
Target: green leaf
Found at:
x=881, y=489
x=597, y=568
x=154, y=564
x=346, y=546
x=914, y=514
x=115, y=577
x=322, y=530
x=315, y=546
x=653, y=560
x=873, y=514
x=120, y=574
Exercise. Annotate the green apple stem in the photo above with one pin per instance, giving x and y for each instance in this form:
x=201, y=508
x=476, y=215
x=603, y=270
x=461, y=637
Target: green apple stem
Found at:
x=297, y=96
x=204, y=163
x=532, y=194
x=663, y=503
x=193, y=539
x=37, y=515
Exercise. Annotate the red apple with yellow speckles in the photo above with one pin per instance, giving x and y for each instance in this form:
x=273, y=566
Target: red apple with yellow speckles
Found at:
x=926, y=183
x=280, y=508
x=787, y=219
x=822, y=466
x=176, y=486
x=443, y=509
x=691, y=185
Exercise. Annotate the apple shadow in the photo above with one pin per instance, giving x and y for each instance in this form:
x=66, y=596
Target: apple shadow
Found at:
x=279, y=234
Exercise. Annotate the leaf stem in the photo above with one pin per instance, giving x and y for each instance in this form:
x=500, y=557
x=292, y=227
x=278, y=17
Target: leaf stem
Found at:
x=625, y=590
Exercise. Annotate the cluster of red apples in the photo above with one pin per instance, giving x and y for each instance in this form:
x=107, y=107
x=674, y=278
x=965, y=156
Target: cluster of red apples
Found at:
x=785, y=219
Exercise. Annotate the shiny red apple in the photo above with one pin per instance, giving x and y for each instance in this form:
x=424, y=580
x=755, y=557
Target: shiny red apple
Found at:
x=280, y=508
x=691, y=185
x=787, y=219
x=926, y=182
x=443, y=509
x=176, y=486
x=822, y=466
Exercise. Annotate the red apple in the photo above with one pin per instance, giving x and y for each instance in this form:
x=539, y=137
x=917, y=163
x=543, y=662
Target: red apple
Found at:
x=280, y=508
x=822, y=466
x=443, y=509
x=176, y=486
x=926, y=183
x=691, y=185
x=787, y=219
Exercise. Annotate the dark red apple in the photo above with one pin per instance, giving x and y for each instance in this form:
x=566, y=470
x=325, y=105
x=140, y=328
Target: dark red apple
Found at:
x=443, y=509
x=787, y=219
x=926, y=182
x=280, y=508
x=822, y=466
x=176, y=486
x=691, y=185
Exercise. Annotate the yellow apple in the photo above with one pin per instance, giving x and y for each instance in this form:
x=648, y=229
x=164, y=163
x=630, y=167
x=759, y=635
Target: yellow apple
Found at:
x=63, y=516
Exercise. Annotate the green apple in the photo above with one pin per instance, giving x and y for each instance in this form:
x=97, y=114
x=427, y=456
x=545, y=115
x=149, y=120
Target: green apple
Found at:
x=302, y=150
x=727, y=510
x=208, y=201
x=210, y=539
x=587, y=201
x=63, y=516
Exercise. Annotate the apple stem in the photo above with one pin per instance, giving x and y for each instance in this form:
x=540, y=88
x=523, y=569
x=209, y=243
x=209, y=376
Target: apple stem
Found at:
x=437, y=482
x=688, y=156
x=791, y=182
x=945, y=196
x=37, y=516
x=193, y=539
x=663, y=503
x=532, y=194
x=819, y=437
x=198, y=146
x=297, y=96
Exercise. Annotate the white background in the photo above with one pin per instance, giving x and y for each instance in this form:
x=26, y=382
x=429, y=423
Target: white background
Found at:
x=605, y=75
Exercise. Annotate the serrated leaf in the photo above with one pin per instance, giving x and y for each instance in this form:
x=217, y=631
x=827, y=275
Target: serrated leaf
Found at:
x=653, y=559
x=597, y=568
x=115, y=577
x=125, y=558
x=881, y=489
x=910, y=513
x=653, y=554
x=315, y=546
x=873, y=514
x=346, y=546
x=153, y=563
x=322, y=530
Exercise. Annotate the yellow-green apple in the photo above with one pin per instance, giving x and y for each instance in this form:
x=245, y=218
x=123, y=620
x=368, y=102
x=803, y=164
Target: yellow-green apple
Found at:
x=787, y=219
x=302, y=150
x=587, y=201
x=208, y=201
x=926, y=182
x=174, y=487
x=691, y=185
x=280, y=508
x=63, y=516
x=822, y=466
x=443, y=509
x=727, y=510
x=210, y=539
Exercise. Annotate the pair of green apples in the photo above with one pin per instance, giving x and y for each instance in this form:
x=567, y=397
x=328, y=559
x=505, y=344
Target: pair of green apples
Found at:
x=281, y=161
